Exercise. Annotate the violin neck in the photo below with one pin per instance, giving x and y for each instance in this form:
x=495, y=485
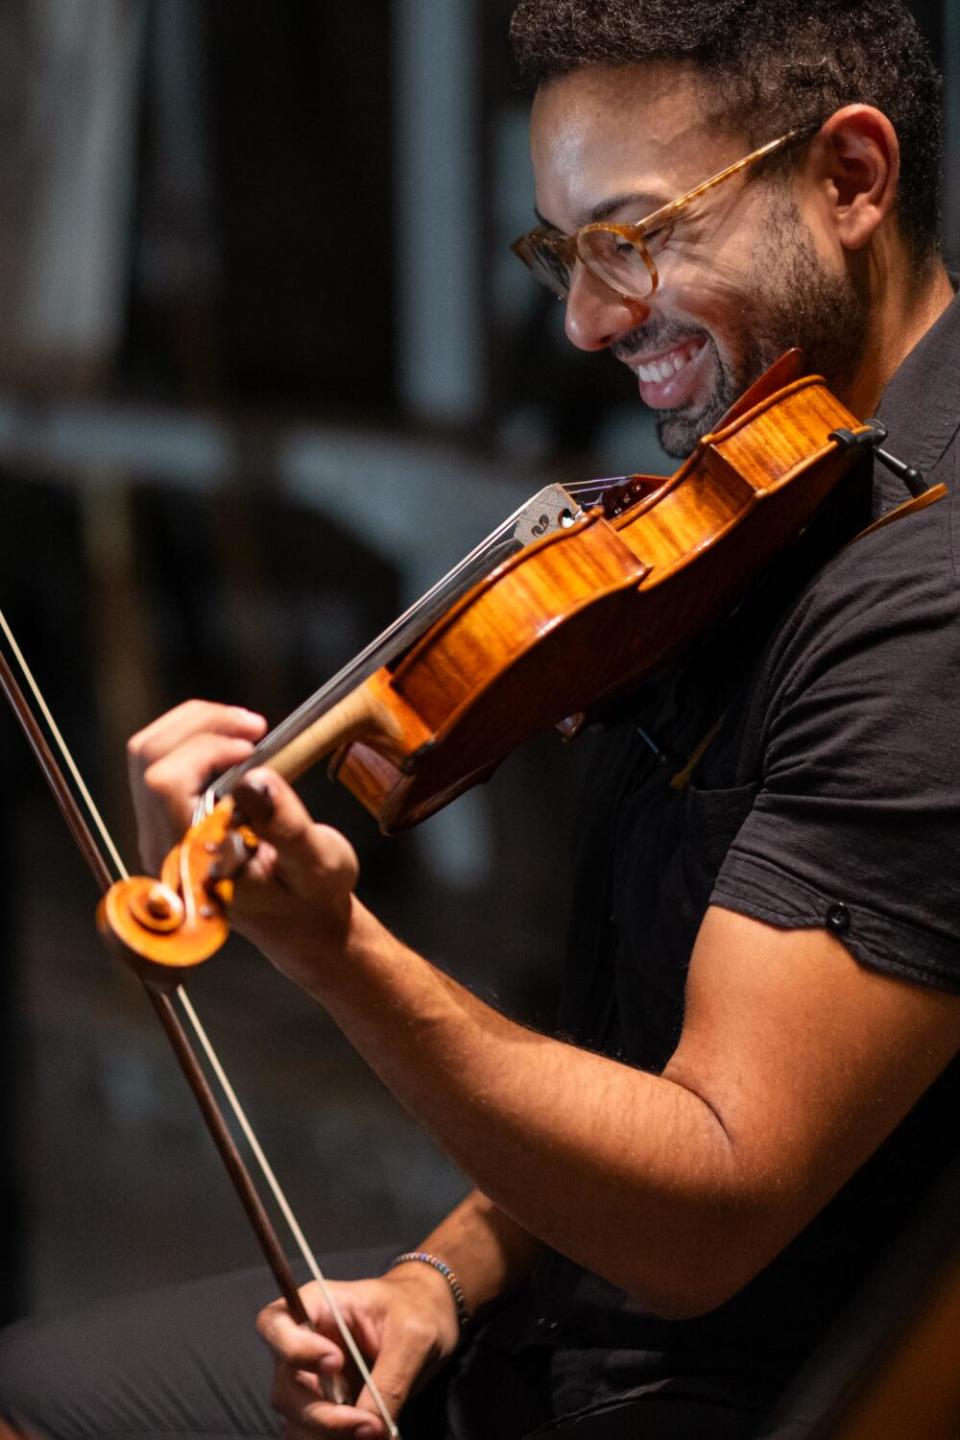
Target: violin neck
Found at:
x=373, y=712
x=338, y=712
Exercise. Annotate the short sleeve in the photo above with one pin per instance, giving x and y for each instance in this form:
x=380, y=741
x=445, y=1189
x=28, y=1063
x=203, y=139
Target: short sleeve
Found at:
x=856, y=822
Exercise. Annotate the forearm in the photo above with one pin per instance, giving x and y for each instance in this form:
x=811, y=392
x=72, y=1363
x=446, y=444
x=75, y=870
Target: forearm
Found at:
x=580, y=1151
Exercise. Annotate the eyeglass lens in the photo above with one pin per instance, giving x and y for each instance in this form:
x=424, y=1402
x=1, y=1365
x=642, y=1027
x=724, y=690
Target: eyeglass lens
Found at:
x=619, y=262
x=614, y=260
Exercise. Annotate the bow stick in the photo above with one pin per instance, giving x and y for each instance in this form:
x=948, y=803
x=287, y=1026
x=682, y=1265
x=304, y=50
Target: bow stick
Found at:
x=105, y=872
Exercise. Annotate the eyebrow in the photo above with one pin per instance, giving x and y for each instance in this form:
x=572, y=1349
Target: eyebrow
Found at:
x=606, y=208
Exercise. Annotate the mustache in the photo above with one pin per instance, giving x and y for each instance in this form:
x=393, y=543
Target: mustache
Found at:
x=653, y=336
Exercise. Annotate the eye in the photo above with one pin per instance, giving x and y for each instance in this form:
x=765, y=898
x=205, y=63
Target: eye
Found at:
x=657, y=238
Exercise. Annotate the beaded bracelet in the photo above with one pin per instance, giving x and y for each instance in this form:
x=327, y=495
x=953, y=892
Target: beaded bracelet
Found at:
x=424, y=1258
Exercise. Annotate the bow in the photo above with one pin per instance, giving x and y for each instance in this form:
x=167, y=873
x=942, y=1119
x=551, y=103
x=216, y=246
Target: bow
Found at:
x=176, y=1014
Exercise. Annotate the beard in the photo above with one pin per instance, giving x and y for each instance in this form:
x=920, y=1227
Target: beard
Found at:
x=795, y=302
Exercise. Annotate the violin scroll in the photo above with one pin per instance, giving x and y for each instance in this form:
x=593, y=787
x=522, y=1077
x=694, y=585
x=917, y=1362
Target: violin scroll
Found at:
x=165, y=927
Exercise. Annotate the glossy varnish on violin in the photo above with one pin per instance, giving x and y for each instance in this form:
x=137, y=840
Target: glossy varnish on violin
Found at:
x=577, y=616
x=587, y=612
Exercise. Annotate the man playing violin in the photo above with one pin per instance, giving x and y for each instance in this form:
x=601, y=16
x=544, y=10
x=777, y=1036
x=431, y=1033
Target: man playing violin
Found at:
x=754, y=1078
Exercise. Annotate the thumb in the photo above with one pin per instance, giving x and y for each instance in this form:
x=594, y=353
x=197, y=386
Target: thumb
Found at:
x=305, y=851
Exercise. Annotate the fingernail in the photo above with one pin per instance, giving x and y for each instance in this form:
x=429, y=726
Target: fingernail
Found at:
x=366, y=1432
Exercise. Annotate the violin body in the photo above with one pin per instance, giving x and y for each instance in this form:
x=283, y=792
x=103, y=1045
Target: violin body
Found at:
x=587, y=612
x=582, y=614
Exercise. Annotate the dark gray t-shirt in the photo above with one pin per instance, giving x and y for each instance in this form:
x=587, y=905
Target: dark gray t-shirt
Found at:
x=830, y=798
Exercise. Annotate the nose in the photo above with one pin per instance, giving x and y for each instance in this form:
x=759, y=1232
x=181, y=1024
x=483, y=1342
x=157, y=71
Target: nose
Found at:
x=597, y=315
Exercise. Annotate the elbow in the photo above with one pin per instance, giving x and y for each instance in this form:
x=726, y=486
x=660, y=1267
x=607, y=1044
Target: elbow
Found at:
x=704, y=1269
x=686, y=1302
x=676, y=1301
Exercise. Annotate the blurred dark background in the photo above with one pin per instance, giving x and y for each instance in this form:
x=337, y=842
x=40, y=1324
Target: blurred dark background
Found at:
x=266, y=371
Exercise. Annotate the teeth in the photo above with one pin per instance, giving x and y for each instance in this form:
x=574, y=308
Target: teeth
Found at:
x=660, y=370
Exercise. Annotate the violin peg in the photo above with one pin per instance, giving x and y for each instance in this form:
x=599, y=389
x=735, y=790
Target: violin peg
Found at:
x=236, y=849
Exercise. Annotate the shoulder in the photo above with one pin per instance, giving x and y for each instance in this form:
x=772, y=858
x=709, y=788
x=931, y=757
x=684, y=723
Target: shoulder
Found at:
x=853, y=743
x=888, y=596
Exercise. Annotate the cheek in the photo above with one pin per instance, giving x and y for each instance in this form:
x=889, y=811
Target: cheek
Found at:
x=717, y=298
x=712, y=270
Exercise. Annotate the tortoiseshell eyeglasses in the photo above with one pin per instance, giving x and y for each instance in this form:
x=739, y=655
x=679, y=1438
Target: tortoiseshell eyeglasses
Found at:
x=622, y=256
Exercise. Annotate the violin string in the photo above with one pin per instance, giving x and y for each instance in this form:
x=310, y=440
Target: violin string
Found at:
x=307, y=712
x=373, y=655
x=283, y=1205
x=206, y=1045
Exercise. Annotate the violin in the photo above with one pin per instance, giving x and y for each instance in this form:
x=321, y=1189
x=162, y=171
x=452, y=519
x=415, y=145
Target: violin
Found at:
x=593, y=589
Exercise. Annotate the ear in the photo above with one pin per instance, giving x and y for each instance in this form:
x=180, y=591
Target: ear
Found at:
x=859, y=158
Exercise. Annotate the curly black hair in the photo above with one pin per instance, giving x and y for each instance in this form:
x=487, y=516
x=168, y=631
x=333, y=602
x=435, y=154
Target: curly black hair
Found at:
x=798, y=61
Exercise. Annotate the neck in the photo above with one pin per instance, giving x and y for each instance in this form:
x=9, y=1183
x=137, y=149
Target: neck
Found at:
x=899, y=321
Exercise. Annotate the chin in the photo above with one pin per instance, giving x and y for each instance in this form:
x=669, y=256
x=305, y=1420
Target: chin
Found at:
x=679, y=430
x=677, y=437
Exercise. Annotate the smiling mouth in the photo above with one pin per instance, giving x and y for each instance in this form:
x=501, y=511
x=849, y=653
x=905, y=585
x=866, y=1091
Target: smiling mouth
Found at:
x=664, y=367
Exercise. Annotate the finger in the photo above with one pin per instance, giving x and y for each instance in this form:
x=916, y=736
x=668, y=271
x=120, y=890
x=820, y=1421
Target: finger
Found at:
x=265, y=800
x=294, y=1390
x=298, y=1345
x=193, y=717
x=260, y=869
x=305, y=850
x=186, y=770
x=166, y=795
x=299, y=1391
x=308, y=1414
x=349, y=1424
x=393, y=1375
x=338, y=1420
